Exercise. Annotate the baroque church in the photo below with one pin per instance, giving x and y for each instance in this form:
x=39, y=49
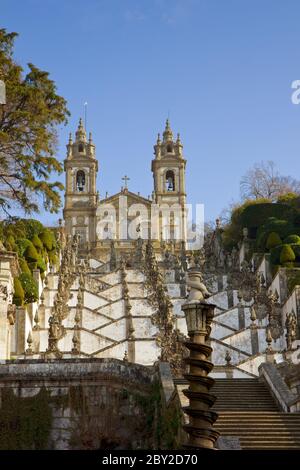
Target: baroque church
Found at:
x=89, y=217
x=111, y=322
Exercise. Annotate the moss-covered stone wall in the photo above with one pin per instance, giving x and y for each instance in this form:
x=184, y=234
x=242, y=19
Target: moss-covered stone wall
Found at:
x=84, y=404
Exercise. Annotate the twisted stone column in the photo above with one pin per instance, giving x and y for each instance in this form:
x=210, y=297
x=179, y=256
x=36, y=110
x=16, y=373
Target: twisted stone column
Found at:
x=200, y=429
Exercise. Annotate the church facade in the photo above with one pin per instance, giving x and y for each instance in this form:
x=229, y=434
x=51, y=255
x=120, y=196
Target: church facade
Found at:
x=125, y=217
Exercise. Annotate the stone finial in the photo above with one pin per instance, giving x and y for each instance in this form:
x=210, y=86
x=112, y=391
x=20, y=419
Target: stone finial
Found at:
x=158, y=142
x=80, y=133
x=29, y=342
x=75, y=341
x=125, y=358
x=70, y=139
x=269, y=340
x=36, y=321
x=90, y=139
x=218, y=223
x=168, y=134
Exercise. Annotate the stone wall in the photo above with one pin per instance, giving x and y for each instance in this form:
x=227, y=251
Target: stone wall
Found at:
x=78, y=404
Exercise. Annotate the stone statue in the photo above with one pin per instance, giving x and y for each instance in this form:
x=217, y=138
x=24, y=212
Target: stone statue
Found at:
x=291, y=329
x=196, y=287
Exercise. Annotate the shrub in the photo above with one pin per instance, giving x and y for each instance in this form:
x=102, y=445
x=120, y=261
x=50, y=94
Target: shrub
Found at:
x=30, y=288
x=22, y=244
x=41, y=265
x=10, y=241
x=292, y=239
x=36, y=241
x=296, y=250
x=287, y=255
x=273, y=240
x=53, y=259
x=282, y=227
x=275, y=254
x=31, y=254
x=32, y=265
x=256, y=215
x=8, y=246
x=32, y=227
x=48, y=239
x=24, y=266
x=288, y=198
x=19, y=294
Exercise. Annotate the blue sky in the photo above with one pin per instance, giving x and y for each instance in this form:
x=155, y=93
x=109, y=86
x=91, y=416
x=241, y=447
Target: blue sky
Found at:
x=222, y=69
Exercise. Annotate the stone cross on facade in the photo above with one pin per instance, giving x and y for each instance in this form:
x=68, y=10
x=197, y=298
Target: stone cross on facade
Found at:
x=125, y=178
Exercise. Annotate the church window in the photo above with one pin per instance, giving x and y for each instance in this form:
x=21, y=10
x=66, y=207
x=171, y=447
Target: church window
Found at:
x=170, y=181
x=169, y=148
x=80, y=148
x=80, y=180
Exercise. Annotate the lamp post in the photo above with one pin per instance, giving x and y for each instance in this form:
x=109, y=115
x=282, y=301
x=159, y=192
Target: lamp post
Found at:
x=199, y=314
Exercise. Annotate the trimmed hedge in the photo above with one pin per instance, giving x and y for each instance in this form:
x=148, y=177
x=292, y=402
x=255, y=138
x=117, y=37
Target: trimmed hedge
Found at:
x=30, y=288
x=273, y=240
x=32, y=227
x=37, y=243
x=292, y=239
x=48, y=239
x=287, y=255
x=254, y=216
x=22, y=244
x=31, y=254
x=53, y=258
x=19, y=294
x=41, y=265
x=282, y=227
x=24, y=266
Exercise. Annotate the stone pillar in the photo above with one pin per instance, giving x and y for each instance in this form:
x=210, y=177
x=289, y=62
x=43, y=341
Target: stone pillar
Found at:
x=200, y=429
x=4, y=326
x=21, y=329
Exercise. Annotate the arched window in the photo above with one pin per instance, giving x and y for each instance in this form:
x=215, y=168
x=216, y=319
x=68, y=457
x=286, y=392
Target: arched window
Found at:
x=80, y=148
x=170, y=181
x=80, y=180
x=169, y=148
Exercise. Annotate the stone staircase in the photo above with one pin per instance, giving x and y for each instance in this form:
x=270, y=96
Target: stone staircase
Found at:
x=248, y=411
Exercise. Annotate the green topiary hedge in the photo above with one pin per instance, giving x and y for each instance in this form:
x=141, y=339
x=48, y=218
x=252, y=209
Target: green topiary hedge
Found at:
x=283, y=228
x=256, y=215
x=287, y=255
x=41, y=265
x=30, y=288
x=292, y=239
x=19, y=294
x=24, y=266
x=31, y=254
x=22, y=244
x=32, y=227
x=48, y=239
x=273, y=240
x=53, y=259
x=37, y=243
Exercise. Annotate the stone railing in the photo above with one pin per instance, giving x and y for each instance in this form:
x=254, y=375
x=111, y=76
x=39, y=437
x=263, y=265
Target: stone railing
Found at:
x=287, y=400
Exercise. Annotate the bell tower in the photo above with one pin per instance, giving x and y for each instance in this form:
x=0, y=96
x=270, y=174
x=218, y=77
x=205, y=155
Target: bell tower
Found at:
x=81, y=197
x=168, y=168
